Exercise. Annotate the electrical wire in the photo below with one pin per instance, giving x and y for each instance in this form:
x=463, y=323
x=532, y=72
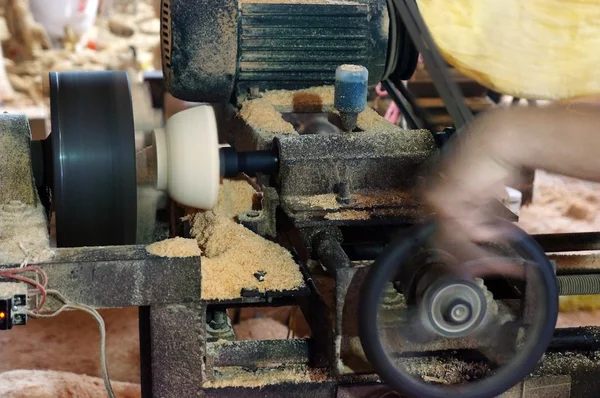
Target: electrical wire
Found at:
x=101, y=326
x=14, y=273
x=40, y=289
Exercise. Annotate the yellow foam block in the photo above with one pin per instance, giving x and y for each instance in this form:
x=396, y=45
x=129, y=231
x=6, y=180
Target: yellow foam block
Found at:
x=535, y=49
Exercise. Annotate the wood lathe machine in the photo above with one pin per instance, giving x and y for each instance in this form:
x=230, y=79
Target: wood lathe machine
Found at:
x=284, y=86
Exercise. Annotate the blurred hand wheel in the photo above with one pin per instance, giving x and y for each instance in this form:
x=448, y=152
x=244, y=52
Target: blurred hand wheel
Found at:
x=433, y=326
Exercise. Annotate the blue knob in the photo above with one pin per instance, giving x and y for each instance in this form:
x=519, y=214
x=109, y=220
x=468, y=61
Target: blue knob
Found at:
x=351, y=84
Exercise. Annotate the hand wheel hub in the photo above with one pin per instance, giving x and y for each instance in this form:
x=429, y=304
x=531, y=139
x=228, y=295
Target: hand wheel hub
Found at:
x=454, y=308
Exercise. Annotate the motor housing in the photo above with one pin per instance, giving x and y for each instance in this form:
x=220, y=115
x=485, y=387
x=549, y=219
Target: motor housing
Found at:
x=217, y=50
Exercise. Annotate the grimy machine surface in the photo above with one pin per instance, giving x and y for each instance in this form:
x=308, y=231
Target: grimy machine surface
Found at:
x=391, y=313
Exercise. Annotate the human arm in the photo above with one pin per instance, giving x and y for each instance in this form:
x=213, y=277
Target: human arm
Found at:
x=560, y=138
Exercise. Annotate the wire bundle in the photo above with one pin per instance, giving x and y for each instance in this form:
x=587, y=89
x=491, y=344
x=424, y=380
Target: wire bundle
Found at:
x=40, y=290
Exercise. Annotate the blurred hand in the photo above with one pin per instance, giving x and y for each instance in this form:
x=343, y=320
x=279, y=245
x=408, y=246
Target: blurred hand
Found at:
x=472, y=174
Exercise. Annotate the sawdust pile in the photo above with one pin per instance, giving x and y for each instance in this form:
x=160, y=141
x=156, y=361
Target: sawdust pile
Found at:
x=121, y=41
x=41, y=384
x=233, y=254
x=264, y=113
x=175, y=247
x=315, y=99
x=444, y=370
x=562, y=204
x=261, y=115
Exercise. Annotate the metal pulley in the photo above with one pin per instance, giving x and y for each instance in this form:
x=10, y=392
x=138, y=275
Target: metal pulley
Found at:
x=93, y=159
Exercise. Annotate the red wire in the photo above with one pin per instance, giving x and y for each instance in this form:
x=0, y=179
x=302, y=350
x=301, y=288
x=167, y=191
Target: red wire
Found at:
x=30, y=268
x=13, y=275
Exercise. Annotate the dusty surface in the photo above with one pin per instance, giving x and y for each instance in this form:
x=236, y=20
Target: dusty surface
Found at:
x=348, y=215
x=23, y=234
x=243, y=377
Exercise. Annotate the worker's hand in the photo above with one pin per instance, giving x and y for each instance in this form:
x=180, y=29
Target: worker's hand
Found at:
x=472, y=173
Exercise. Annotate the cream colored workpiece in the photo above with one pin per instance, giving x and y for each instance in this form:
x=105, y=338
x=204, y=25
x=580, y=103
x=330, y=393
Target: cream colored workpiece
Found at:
x=188, y=157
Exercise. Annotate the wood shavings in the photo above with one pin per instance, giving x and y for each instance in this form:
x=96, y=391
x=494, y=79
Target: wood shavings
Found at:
x=580, y=210
x=430, y=379
x=176, y=247
x=233, y=253
x=559, y=363
x=262, y=116
x=560, y=205
x=325, y=202
x=24, y=29
x=382, y=198
x=241, y=377
x=314, y=99
x=6, y=90
x=120, y=27
x=370, y=121
x=111, y=39
x=363, y=200
x=348, y=215
x=447, y=369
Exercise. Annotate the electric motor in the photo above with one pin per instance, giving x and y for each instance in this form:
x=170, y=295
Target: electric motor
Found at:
x=216, y=50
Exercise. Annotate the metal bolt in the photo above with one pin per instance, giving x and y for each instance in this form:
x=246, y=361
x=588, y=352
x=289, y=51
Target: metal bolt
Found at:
x=344, y=195
x=252, y=214
x=253, y=92
x=260, y=275
x=458, y=312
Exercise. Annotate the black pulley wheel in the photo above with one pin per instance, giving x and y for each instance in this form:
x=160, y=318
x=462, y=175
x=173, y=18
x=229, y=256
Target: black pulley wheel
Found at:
x=540, y=322
x=93, y=145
